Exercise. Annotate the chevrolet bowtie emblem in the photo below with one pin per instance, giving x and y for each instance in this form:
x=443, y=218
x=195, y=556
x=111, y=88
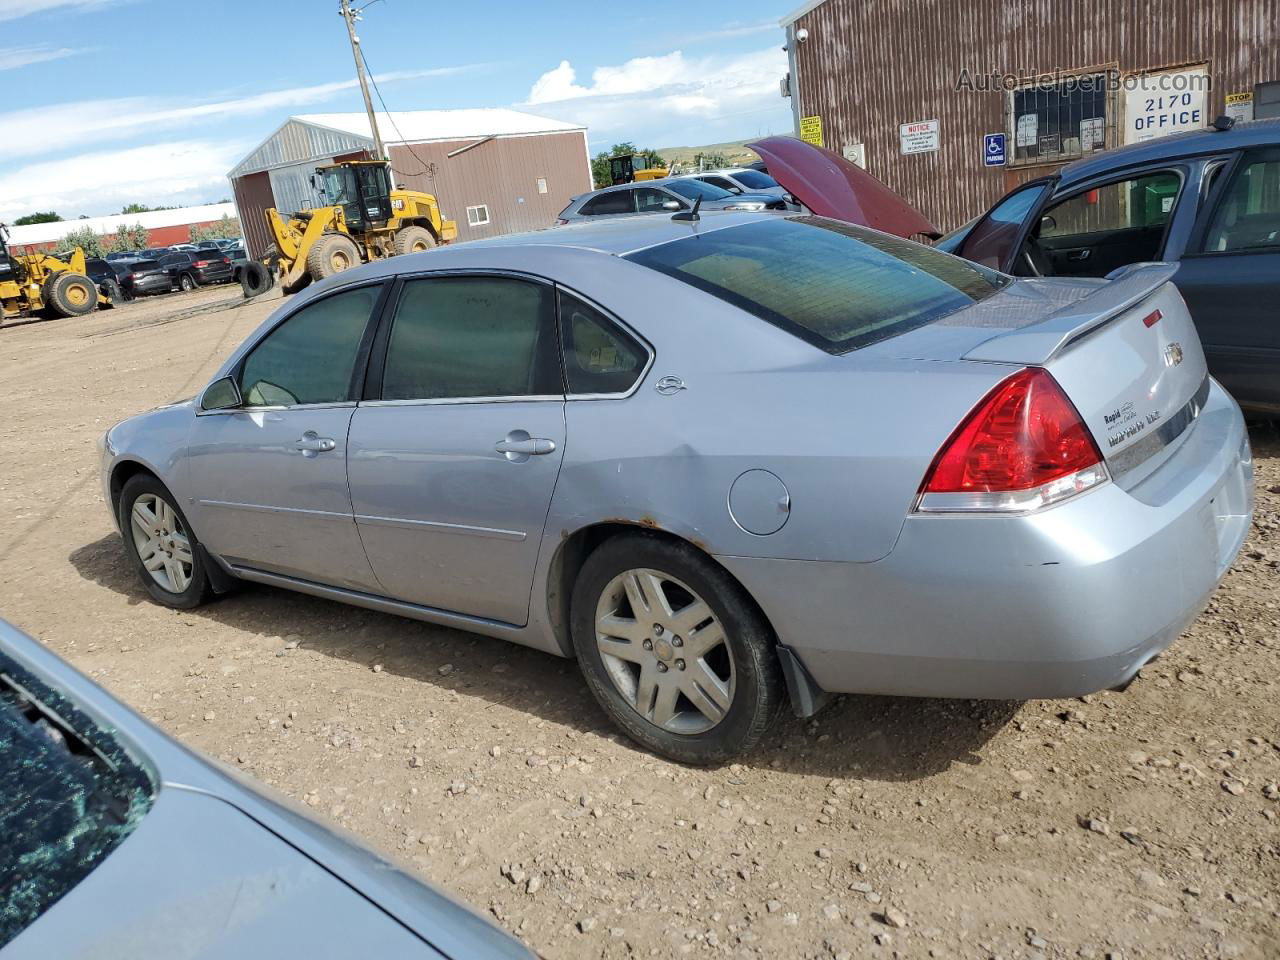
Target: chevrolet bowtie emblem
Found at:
x=1173, y=354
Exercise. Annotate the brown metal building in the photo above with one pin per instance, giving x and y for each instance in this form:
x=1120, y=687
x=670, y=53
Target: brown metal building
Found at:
x=912, y=89
x=494, y=171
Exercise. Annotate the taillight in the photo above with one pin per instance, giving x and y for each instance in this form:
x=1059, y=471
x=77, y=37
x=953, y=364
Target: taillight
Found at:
x=562, y=222
x=201, y=263
x=1023, y=447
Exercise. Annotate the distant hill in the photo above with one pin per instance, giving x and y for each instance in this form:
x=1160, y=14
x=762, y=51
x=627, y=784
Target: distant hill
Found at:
x=735, y=153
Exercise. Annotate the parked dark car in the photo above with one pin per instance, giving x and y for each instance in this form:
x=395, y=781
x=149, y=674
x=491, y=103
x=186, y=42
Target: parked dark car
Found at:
x=108, y=275
x=146, y=276
x=1209, y=201
x=121, y=842
x=189, y=269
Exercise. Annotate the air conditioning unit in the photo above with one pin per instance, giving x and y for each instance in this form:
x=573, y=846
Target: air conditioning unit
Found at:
x=784, y=86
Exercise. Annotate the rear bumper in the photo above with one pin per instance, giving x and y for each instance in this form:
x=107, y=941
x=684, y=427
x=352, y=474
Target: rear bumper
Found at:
x=1062, y=603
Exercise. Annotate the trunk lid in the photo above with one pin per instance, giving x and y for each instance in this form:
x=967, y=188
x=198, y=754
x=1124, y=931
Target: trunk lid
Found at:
x=1125, y=352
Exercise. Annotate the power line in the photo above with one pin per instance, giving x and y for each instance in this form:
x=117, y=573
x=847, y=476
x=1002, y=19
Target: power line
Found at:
x=428, y=169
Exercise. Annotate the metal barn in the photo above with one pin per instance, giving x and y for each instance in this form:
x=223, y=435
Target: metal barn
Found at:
x=493, y=171
x=953, y=104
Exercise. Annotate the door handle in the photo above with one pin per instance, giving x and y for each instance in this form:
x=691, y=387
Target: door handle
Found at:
x=1079, y=254
x=532, y=447
x=310, y=444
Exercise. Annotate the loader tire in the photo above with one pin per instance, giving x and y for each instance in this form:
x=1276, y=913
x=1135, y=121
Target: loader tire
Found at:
x=331, y=254
x=113, y=293
x=413, y=240
x=70, y=294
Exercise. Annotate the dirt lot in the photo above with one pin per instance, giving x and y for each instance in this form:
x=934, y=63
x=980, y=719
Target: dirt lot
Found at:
x=1136, y=824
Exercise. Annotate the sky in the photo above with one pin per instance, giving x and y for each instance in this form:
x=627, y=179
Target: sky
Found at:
x=110, y=102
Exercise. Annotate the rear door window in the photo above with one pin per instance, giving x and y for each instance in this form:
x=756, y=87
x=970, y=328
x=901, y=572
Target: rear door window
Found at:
x=1248, y=218
x=615, y=201
x=832, y=284
x=455, y=338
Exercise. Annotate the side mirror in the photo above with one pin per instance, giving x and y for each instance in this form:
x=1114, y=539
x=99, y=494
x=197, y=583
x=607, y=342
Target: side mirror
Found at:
x=736, y=190
x=222, y=394
x=671, y=205
x=1047, y=223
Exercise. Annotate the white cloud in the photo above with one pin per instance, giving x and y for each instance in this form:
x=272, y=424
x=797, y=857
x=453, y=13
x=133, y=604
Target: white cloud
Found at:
x=11, y=58
x=42, y=130
x=14, y=9
x=670, y=99
x=735, y=30
x=182, y=172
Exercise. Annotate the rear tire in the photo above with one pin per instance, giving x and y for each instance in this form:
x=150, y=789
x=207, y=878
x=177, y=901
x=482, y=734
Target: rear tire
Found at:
x=413, y=240
x=187, y=283
x=255, y=279
x=332, y=253
x=164, y=549
x=698, y=726
x=71, y=294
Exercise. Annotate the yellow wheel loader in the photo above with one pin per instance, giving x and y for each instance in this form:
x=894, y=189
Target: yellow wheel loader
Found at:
x=367, y=220
x=38, y=284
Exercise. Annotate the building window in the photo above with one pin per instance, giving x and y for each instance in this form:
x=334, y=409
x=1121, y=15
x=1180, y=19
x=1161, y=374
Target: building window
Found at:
x=478, y=215
x=1057, y=121
x=542, y=184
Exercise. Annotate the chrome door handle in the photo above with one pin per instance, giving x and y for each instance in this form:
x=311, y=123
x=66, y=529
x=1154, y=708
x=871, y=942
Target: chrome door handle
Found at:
x=531, y=447
x=310, y=444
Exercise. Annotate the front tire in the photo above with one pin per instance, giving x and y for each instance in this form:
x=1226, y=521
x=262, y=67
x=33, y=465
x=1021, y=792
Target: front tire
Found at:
x=332, y=253
x=164, y=549
x=674, y=650
x=71, y=294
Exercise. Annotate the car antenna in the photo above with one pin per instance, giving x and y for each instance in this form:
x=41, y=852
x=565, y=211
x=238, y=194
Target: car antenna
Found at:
x=1223, y=123
x=689, y=214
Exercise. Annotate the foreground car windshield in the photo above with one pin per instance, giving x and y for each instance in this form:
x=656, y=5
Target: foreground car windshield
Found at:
x=69, y=796
x=692, y=189
x=832, y=284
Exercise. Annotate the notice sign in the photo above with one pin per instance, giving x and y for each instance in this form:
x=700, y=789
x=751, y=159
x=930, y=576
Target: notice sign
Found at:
x=1240, y=106
x=1158, y=104
x=1028, y=130
x=919, y=137
x=811, y=130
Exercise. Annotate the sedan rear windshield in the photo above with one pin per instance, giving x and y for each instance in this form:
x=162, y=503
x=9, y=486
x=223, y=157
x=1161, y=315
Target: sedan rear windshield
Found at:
x=832, y=284
x=755, y=180
x=691, y=189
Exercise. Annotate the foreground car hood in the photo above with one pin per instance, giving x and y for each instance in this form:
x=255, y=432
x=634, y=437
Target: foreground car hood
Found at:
x=831, y=186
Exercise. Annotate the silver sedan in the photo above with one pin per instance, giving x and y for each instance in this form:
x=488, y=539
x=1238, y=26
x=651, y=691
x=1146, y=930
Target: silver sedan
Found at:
x=726, y=463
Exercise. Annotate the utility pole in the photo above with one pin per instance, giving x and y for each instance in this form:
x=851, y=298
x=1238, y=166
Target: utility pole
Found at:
x=350, y=17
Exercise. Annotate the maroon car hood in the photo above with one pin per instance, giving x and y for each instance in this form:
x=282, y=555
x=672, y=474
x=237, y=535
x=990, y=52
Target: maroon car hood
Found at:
x=831, y=186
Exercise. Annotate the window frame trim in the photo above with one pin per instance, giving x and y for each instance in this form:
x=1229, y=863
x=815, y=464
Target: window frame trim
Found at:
x=358, y=370
x=479, y=223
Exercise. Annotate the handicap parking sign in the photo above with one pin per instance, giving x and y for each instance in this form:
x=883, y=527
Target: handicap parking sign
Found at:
x=993, y=150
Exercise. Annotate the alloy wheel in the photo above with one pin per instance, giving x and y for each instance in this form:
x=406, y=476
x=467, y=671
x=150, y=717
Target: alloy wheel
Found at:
x=665, y=651
x=162, y=542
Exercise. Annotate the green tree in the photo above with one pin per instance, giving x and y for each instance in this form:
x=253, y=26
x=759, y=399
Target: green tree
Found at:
x=142, y=208
x=129, y=237
x=600, y=171
x=49, y=217
x=227, y=228
x=91, y=243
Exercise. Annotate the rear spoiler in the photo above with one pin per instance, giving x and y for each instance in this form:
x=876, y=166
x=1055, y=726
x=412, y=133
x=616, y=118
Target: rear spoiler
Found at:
x=1036, y=344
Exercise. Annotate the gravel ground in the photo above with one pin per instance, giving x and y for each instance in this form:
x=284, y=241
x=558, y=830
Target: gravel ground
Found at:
x=1135, y=824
